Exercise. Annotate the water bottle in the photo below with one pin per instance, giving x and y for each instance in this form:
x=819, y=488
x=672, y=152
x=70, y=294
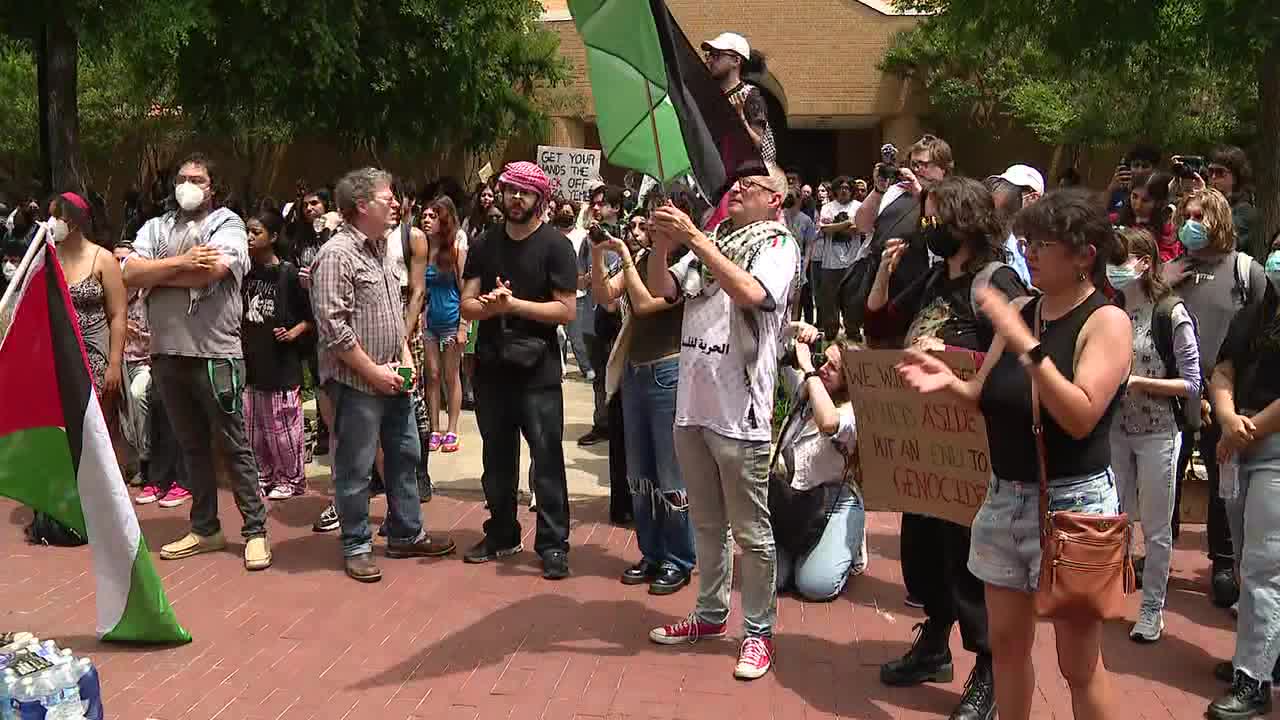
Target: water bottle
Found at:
x=12, y=641
x=64, y=702
x=90, y=689
x=8, y=686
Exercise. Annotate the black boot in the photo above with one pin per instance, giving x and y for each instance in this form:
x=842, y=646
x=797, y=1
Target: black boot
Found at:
x=1225, y=672
x=928, y=660
x=1225, y=590
x=979, y=699
x=1248, y=698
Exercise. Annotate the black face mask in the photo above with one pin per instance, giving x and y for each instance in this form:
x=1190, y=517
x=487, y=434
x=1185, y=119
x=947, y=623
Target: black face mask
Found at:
x=789, y=201
x=941, y=242
x=563, y=222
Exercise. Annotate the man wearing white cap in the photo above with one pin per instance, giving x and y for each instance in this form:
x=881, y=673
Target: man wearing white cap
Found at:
x=1013, y=190
x=728, y=56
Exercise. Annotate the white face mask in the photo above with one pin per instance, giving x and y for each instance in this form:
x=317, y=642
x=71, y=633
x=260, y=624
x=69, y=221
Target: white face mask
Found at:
x=10, y=269
x=189, y=196
x=59, y=229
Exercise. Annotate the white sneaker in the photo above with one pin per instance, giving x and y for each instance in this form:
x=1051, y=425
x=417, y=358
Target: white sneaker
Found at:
x=862, y=561
x=1149, y=627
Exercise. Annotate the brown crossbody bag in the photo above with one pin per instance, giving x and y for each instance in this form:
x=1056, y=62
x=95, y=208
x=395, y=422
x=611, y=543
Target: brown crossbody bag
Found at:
x=1085, y=566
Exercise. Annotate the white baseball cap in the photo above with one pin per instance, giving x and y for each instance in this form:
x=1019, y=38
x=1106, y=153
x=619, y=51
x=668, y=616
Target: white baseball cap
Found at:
x=729, y=42
x=1023, y=176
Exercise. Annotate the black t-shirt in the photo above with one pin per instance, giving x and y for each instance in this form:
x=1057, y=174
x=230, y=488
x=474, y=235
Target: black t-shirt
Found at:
x=535, y=267
x=942, y=307
x=273, y=298
x=1253, y=347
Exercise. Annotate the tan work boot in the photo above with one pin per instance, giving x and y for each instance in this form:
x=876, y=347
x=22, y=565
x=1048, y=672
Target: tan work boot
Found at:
x=257, y=554
x=192, y=545
x=362, y=567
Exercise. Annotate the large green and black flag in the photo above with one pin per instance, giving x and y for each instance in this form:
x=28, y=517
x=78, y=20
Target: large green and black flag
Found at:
x=658, y=109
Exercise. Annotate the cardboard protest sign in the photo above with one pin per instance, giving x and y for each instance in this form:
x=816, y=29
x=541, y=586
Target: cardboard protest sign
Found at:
x=570, y=170
x=923, y=454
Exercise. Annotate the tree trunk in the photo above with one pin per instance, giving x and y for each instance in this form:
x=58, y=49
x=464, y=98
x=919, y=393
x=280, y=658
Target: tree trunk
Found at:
x=61, y=119
x=1268, y=148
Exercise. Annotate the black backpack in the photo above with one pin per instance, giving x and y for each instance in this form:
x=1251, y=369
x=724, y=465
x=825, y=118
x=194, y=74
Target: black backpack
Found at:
x=1188, y=418
x=44, y=530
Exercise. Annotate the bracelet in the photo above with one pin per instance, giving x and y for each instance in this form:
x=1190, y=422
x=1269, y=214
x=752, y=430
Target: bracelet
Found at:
x=810, y=375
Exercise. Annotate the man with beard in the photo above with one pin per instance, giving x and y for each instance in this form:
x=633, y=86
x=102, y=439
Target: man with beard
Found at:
x=520, y=283
x=735, y=286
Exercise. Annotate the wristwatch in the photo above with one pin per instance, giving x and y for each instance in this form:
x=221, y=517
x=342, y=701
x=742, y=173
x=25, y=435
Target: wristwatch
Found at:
x=810, y=374
x=1032, y=357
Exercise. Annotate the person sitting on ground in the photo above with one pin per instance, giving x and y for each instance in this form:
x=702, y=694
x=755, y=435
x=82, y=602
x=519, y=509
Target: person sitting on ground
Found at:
x=820, y=544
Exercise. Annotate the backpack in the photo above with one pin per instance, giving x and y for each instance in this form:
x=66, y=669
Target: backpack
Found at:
x=44, y=530
x=1243, y=264
x=1188, y=418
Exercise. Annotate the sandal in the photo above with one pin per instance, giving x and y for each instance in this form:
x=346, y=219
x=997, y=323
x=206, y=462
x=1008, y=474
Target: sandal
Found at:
x=434, y=443
x=450, y=443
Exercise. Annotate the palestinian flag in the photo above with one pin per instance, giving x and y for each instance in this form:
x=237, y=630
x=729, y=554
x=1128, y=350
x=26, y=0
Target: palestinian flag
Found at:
x=56, y=456
x=658, y=109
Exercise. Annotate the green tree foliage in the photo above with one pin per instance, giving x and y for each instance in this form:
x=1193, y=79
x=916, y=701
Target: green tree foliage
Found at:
x=1195, y=71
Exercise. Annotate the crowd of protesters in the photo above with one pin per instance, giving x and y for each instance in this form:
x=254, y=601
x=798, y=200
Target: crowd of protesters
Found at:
x=205, y=325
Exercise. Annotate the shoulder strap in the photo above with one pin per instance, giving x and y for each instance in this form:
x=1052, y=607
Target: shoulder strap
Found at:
x=982, y=280
x=1037, y=429
x=1243, y=266
x=1162, y=332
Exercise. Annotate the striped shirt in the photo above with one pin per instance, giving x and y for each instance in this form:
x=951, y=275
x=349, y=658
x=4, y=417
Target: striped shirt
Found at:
x=356, y=302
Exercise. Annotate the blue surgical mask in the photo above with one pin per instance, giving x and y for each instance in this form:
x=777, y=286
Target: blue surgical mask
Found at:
x=1121, y=276
x=1273, y=266
x=1193, y=235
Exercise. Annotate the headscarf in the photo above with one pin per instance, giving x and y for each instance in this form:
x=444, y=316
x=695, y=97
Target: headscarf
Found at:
x=524, y=175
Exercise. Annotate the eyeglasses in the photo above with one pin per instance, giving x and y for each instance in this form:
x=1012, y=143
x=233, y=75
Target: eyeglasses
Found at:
x=745, y=184
x=917, y=165
x=1033, y=247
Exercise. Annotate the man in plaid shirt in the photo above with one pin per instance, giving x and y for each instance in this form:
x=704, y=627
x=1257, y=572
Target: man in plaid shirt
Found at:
x=363, y=353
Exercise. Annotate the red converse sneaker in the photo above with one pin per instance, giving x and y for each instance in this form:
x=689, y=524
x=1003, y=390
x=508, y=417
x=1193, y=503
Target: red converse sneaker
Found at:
x=690, y=629
x=755, y=658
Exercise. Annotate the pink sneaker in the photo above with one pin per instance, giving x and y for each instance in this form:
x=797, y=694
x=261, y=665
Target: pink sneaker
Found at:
x=175, y=497
x=690, y=629
x=449, y=443
x=148, y=495
x=755, y=658
x=435, y=441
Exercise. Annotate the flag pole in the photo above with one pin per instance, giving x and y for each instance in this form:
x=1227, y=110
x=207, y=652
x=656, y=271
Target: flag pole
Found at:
x=10, y=292
x=653, y=125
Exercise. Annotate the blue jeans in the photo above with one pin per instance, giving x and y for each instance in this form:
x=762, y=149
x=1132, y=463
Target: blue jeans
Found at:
x=576, y=331
x=1255, y=526
x=360, y=423
x=822, y=573
x=1004, y=549
x=659, y=500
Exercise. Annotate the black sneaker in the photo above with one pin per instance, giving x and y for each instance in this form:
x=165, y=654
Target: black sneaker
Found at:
x=328, y=520
x=979, y=699
x=555, y=565
x=482, y=552
x=1248, y=698
x=928, y=660
x=593, y=437
x=1225, y=590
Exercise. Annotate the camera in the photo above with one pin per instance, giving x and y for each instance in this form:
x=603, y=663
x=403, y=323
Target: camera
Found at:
x=789, y=358
x=888, y=169
x=1188, y=166
x=597, y=234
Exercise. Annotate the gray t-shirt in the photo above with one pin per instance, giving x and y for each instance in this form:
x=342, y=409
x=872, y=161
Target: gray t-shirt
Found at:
x=1210, y=291
x=199, y=322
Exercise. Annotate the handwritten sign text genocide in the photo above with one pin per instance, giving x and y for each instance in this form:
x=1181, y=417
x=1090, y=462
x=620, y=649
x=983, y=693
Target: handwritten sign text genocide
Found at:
x=924, y=454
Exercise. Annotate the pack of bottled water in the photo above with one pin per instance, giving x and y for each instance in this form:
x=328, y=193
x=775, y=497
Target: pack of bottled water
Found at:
x=40, y=681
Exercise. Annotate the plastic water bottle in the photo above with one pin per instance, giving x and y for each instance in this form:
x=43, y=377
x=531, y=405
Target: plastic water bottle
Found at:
x=90, y=689
x=8, y=687
x=64, y=702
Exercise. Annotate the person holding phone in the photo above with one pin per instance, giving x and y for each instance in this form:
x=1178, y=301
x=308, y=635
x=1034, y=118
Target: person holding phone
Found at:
x=363, y=349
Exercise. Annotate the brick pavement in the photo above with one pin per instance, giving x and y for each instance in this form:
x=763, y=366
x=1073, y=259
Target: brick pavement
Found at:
x=442, y=640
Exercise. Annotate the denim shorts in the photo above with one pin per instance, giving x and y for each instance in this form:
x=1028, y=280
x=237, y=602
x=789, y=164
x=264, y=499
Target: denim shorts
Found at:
x=1005, y=547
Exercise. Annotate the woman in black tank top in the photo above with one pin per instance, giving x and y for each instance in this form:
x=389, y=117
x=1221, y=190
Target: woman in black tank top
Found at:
x=1080, y=377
